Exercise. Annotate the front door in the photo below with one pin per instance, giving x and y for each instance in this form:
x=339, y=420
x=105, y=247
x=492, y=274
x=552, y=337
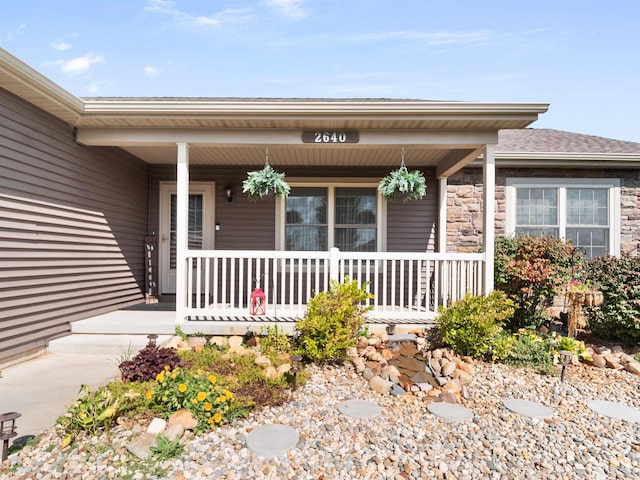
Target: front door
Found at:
x=201, y=222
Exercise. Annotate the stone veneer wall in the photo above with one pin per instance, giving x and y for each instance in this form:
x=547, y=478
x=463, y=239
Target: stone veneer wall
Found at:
x=464, y=204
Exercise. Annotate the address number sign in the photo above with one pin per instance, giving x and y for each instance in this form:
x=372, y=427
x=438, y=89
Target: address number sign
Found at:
x=330, y=136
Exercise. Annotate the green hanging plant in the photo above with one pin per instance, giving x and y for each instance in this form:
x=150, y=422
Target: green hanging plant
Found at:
x=403, y=185
x=265, y=183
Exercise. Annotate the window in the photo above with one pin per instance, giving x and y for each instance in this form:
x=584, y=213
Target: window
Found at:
x=585, y=212
x=321, y=217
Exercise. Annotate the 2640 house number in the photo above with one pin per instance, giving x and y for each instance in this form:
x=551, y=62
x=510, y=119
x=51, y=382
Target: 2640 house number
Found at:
x=331, y=136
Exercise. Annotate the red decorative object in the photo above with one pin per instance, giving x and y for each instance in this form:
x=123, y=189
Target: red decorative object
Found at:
x=258, y=302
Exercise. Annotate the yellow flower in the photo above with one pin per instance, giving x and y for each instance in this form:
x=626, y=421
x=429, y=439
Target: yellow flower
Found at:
x=167, y=368
x=212, y=378
x=221, y=399
x=208, y=406
x=182, y=388
x=217, y=418
x=194, y=401
x=228, y=394
x=149, y=395
x=160, y=377
x=210, y=421
x=174, y=375
x=201, y=396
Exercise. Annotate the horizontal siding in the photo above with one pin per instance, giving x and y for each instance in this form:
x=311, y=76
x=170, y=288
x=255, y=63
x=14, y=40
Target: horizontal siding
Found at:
x=72, y=227
x=247, y=225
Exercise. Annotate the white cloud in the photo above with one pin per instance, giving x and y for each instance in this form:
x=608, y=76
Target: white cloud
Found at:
x=289, y=8
x=60, y=46
x=80, y=65
x=167, y=7
x=151, y=71
x=17, y=31
x=93, y=87
x=429, y=38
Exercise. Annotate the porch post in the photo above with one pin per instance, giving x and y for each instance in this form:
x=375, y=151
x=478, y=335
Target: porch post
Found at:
x=488, y=207
x=442, y=216
x=182, y=230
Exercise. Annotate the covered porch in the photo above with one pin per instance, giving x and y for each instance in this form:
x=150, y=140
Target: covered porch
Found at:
x=214, y=280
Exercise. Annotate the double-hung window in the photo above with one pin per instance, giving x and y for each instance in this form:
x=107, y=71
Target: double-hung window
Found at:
x=317, y=218
x=585, y=212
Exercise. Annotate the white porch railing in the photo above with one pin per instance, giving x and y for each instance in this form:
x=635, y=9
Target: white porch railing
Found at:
x=408, y=285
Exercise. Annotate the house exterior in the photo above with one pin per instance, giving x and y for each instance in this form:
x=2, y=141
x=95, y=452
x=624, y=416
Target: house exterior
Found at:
x=108, y=202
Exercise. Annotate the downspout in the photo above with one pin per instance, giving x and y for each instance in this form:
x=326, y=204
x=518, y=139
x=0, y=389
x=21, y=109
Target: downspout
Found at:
x=489, y=199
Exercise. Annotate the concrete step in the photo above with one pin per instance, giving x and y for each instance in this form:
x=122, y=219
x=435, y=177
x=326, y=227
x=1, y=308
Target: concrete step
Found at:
x=117, y=345
x=127, y=322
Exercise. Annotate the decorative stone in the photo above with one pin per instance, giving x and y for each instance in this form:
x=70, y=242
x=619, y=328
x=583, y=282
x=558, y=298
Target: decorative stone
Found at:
x=448, y=397
x=375, y=367
x=271, y=372
x=434, y=365
x=424, y=387
x=359, y=364
x=528, y=408
x=367, y=374
x=184, y=418
x=437, y=354
x=465, y=367
x=197, y=341
x=352, y=352
x=450, y=412
x=464, y=378
x=219, y=341
x=612, y=362
x=141, y=446
x=284, y=368
x=598, y=361
x=174, y=432
x=448, y=368
x=359, y=409
x=272, y=440
x=262, y=361
x=633, y=367
x=235, y=341
x=452, y=387
x=397, y=390
x=380, y=385
x=617, y=410
x=386, y=354
x=157, y=426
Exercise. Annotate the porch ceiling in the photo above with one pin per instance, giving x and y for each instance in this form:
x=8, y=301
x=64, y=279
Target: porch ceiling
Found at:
x=304, y=156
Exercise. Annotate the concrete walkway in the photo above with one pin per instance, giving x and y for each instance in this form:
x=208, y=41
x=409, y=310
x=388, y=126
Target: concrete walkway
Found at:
x=41, y=388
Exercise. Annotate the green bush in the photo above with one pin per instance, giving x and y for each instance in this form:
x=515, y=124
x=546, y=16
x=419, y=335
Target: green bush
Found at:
x=531, y=270
x=333, y=320
x=530, y=350
x=618, y=317
x=473, y=325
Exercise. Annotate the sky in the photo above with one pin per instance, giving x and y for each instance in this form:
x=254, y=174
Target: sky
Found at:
x=581, y=56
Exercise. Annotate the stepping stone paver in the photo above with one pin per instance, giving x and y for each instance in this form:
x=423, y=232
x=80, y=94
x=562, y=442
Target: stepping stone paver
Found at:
x=450, y=412
x=528, y=408
x=616, y=410
x=359, y=409
x=272, y=440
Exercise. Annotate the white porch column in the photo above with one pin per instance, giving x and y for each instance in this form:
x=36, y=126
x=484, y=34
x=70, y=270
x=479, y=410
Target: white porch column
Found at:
x=442, y=216
x=489, y=205
x=182, y=230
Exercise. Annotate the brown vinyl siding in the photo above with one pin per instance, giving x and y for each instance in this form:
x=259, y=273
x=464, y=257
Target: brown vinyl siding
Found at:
x=247, y=225
x=72, y=226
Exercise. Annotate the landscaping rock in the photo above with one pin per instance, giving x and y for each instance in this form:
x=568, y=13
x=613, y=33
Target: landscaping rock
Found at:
x=271, y=372
x=219, y=341
x=141, y=446
x=173, y=432
x=262, y=361
x=397, y=390
x=284, y=368
x=633, y=366
x=380, y=385
x=448, y=368
x=598, y=361
x=157, y=425
x=196, y=342
x=184, y=418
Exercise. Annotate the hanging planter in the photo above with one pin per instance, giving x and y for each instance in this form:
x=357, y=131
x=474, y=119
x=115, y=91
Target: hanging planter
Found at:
x=265, y=183
x=401, y=184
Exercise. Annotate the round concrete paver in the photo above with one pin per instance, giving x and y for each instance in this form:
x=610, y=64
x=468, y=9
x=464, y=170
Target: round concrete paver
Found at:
x=359, y=409
x=450, y=412
x=617, y=410
x=528, y=408
x=272, y=440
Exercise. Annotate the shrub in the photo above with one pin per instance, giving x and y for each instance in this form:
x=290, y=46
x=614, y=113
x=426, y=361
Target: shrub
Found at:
x=197, y=391
x=148, y=363
x=530, y=350
x=332, y=322
x=530, y=270
x=473, y=325
x=619, y=280
x=274, y=341
x=94, y=412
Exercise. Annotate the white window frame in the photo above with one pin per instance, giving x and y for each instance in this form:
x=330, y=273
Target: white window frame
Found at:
x=561, y=184
x=331, y=185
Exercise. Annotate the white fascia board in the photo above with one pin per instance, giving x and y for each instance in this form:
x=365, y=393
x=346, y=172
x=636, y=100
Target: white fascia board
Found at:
x=566, y=159
x=301, y=107
x=39, y=84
